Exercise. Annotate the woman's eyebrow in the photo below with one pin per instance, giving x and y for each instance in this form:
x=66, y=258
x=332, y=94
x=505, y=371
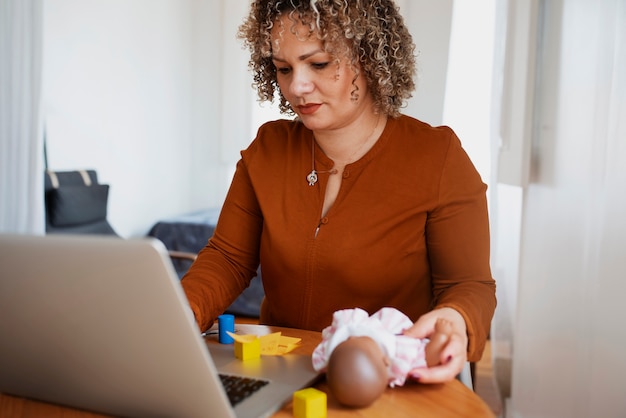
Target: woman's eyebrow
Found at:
x=301, y=57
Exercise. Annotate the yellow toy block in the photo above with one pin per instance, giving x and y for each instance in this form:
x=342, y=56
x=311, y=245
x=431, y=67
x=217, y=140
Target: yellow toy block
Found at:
x=309, y=403
x=248, y=350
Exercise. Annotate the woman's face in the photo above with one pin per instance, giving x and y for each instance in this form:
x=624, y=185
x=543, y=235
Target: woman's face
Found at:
x=316, y=85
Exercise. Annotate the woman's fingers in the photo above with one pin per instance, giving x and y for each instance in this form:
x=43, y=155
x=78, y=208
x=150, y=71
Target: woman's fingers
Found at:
x=452, y=360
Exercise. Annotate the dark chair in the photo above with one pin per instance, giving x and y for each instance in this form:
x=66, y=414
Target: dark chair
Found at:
x=77, y=204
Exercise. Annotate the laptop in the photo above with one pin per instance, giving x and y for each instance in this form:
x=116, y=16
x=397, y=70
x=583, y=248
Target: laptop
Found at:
x=102, y=324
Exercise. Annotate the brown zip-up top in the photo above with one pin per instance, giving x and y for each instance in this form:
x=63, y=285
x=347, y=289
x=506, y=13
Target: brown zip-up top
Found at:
x=409, y=229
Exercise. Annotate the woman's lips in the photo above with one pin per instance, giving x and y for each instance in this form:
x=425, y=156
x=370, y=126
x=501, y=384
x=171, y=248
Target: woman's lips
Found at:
x=309, y=108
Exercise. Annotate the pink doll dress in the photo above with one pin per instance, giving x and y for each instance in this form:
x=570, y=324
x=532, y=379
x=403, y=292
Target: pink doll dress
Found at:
x=385, y=327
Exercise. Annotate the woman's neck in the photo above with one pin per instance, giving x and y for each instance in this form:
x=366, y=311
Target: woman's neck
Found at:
x=347, y=145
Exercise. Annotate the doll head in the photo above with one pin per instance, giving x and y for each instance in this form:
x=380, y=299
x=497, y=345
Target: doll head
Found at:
x=357, y=372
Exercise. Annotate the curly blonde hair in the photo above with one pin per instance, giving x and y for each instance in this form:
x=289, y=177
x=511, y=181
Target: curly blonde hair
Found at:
x=370, y=32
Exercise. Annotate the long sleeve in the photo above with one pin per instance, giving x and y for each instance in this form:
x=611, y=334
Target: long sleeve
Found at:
x=457, y=235
x=224, y=267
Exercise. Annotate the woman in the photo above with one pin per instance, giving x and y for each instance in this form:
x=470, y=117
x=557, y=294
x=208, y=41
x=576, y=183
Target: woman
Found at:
x=352, y=204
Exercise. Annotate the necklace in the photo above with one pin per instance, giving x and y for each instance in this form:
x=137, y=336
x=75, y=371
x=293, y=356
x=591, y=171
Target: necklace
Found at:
x=311, y=178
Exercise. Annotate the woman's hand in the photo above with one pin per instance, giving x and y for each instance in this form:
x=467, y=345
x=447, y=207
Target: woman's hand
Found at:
x=453, y=356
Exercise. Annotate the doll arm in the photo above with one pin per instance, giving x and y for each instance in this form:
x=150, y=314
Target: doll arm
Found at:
x=453, y=356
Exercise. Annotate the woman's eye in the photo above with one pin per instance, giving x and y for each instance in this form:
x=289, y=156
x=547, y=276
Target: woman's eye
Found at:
x=320, y=65
x=283, y=70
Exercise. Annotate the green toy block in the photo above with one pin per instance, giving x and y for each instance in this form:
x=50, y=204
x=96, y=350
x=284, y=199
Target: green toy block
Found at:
x=309, y=403
x=248, y=350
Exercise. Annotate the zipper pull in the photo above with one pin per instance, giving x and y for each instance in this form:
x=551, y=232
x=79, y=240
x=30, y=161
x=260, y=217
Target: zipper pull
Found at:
x=317, y=230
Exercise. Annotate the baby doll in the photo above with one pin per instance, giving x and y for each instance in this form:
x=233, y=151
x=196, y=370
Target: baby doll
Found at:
x=363, y=354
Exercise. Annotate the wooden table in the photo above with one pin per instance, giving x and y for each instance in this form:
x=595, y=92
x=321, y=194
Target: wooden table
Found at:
x=452, y=399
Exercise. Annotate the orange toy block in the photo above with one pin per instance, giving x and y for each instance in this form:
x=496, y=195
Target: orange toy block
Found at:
x=309, y=403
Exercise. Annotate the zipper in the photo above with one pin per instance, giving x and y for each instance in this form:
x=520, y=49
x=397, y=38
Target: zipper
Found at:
x=319, y=225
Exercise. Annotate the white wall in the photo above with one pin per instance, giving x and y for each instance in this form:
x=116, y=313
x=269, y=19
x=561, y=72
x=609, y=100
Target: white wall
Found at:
x=454, y=43
x=467, y=105
x=221, y=100
x=430, y=25
x=568, y=356
x=117, y=98
x=135, y=89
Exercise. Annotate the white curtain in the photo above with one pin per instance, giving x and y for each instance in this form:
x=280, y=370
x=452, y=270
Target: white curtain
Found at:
x=21, y=133
x=568, y=350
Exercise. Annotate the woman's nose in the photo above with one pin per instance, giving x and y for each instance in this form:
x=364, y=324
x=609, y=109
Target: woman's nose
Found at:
x=301, y=83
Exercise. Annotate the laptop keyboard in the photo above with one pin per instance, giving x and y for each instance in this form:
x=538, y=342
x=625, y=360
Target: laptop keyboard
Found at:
x=239, y=388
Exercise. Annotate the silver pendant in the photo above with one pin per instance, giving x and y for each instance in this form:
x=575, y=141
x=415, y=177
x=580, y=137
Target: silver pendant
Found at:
x=312, y=178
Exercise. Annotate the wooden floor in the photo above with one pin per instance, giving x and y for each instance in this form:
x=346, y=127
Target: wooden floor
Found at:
x=485, y=383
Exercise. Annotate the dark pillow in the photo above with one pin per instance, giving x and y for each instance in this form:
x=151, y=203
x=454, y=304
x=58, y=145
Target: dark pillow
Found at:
x=74, y=205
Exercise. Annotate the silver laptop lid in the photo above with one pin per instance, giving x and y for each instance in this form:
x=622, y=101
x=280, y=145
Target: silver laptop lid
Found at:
x=102, y=324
